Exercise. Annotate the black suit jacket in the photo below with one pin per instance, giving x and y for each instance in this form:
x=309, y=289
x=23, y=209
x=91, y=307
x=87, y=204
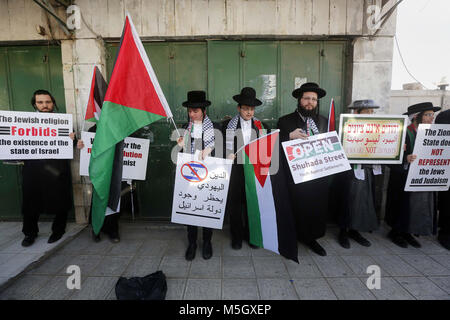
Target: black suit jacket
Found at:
x=292, y=121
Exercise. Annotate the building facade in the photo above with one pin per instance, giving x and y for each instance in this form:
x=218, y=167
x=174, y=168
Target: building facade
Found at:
x=218, y=46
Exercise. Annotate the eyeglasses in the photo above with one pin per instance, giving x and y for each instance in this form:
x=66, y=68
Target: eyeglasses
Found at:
x=309, y=98
x=428, y=114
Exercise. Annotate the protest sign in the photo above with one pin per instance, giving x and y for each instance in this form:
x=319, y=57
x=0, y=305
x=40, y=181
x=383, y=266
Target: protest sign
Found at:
x=135, y=155
x=200, y=192
x=376, y=139
x=35, y=135
x=430, y=171
x=319, y=156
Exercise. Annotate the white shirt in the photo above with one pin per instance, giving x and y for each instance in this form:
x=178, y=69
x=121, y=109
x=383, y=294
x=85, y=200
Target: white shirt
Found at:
x=246, y=126
x=197, y=130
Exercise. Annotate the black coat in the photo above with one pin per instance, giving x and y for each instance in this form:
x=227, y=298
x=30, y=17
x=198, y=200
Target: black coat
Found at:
x=309, y=199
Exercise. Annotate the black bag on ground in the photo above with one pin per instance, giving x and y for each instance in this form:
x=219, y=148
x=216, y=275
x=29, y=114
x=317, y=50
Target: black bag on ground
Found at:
x=150, y=287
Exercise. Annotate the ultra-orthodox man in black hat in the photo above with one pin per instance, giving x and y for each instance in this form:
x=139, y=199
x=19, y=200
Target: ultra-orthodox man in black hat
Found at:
x=239, y=131
x=355, y=193
x=198, y=135
x=309, y=199
x=409, y=213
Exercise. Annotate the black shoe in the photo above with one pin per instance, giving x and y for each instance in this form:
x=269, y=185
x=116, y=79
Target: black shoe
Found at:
x=252, y=246
x=317, y=248
x=236, y=244
x=95, y=237
x=28, y=241
x=410, y=239
x=54, y=237
x=355, y=235
x=444, y=240
x=343, y=239
x=207, y=250
x=114, y=237
x=190, y=252
x=398, y=239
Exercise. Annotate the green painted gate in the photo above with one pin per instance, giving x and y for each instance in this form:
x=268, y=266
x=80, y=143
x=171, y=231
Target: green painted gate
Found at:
x=23, y=70
x=222, y=68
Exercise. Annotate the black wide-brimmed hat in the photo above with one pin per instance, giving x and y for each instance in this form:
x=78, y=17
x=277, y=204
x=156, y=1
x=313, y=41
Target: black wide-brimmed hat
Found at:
x=196, y=99
x=364, y=104
x=420, y=107
x=247, y=97
x=309, y=87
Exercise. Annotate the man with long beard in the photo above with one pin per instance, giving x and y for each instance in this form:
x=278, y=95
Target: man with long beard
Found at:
x=309, y=199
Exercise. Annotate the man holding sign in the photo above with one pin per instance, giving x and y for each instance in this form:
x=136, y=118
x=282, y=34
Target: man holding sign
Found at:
x=46, y=184
x=410, y=213
x=309, y=199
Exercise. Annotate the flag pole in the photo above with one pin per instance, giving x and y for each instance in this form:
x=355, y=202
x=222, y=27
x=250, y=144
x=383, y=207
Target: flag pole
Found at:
x=179, y=135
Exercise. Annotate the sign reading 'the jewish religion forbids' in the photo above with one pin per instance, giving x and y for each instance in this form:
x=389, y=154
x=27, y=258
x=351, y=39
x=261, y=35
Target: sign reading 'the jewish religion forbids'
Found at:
x=318, y=156
x=200, y=192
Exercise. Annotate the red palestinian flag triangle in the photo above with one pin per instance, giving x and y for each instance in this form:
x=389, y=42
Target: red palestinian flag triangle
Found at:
x=134, y=99
x=96, y=96
x=331, y=117
x=270, y=218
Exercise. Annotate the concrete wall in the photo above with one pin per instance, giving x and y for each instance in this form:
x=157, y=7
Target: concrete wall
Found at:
x=400, y=99
x=369, y=65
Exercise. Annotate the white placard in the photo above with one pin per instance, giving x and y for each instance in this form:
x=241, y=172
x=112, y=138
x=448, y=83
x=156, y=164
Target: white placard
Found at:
x=200, y=192
x=35, y=135
x=431, y=169
x=135, y=155
x=319, y=156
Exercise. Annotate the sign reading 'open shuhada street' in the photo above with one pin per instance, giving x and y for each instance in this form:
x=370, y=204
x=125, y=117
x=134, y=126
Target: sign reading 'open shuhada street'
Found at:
x=35, y=135
x=430, y=171
x=318, y=156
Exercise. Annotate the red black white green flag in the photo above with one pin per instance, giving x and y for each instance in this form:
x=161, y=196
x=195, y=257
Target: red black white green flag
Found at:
x=96, y=96
x=271, y=223
x=133, y=100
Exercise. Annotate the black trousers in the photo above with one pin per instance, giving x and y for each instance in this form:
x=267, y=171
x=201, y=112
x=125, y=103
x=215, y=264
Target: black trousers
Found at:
x=31, y=218
x=110, y=224
x=444, y=213
x=192, y=232
x=236, y=207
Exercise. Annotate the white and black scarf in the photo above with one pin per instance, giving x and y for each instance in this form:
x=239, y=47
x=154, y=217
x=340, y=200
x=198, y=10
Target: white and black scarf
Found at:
x=207, y=133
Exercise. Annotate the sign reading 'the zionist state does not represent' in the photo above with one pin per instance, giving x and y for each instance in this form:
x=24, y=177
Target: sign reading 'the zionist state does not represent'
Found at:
x=35, y=135
x=318, y=156
x=430, y=171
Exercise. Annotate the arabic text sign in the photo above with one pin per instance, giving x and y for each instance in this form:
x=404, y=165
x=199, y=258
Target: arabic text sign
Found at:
x=200, y=192
x=35, y=135
x=135, y=154
x=318, y=156
x=431, y=169
x=373, y=138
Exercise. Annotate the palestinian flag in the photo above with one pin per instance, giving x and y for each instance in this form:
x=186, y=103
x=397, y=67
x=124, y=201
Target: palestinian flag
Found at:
x=96, y=96
x=134, y=99
x=331, y=117
x=270, y=218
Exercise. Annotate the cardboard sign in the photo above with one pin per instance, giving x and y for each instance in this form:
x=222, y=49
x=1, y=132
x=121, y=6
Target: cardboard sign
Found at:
x=201, y=189
x=318, y=156
x=374, y=139
x=35, y=135
x=135, y=155
x=431, y=169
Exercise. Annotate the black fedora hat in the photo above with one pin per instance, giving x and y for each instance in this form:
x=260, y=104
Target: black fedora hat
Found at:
x=309, y=87
x=363, y=104
x=420, y=107
x=196, y=99
x=247, y=97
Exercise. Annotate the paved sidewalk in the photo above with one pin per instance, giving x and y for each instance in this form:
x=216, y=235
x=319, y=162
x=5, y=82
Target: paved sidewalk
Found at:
x=406, y=274
x=14, y=258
